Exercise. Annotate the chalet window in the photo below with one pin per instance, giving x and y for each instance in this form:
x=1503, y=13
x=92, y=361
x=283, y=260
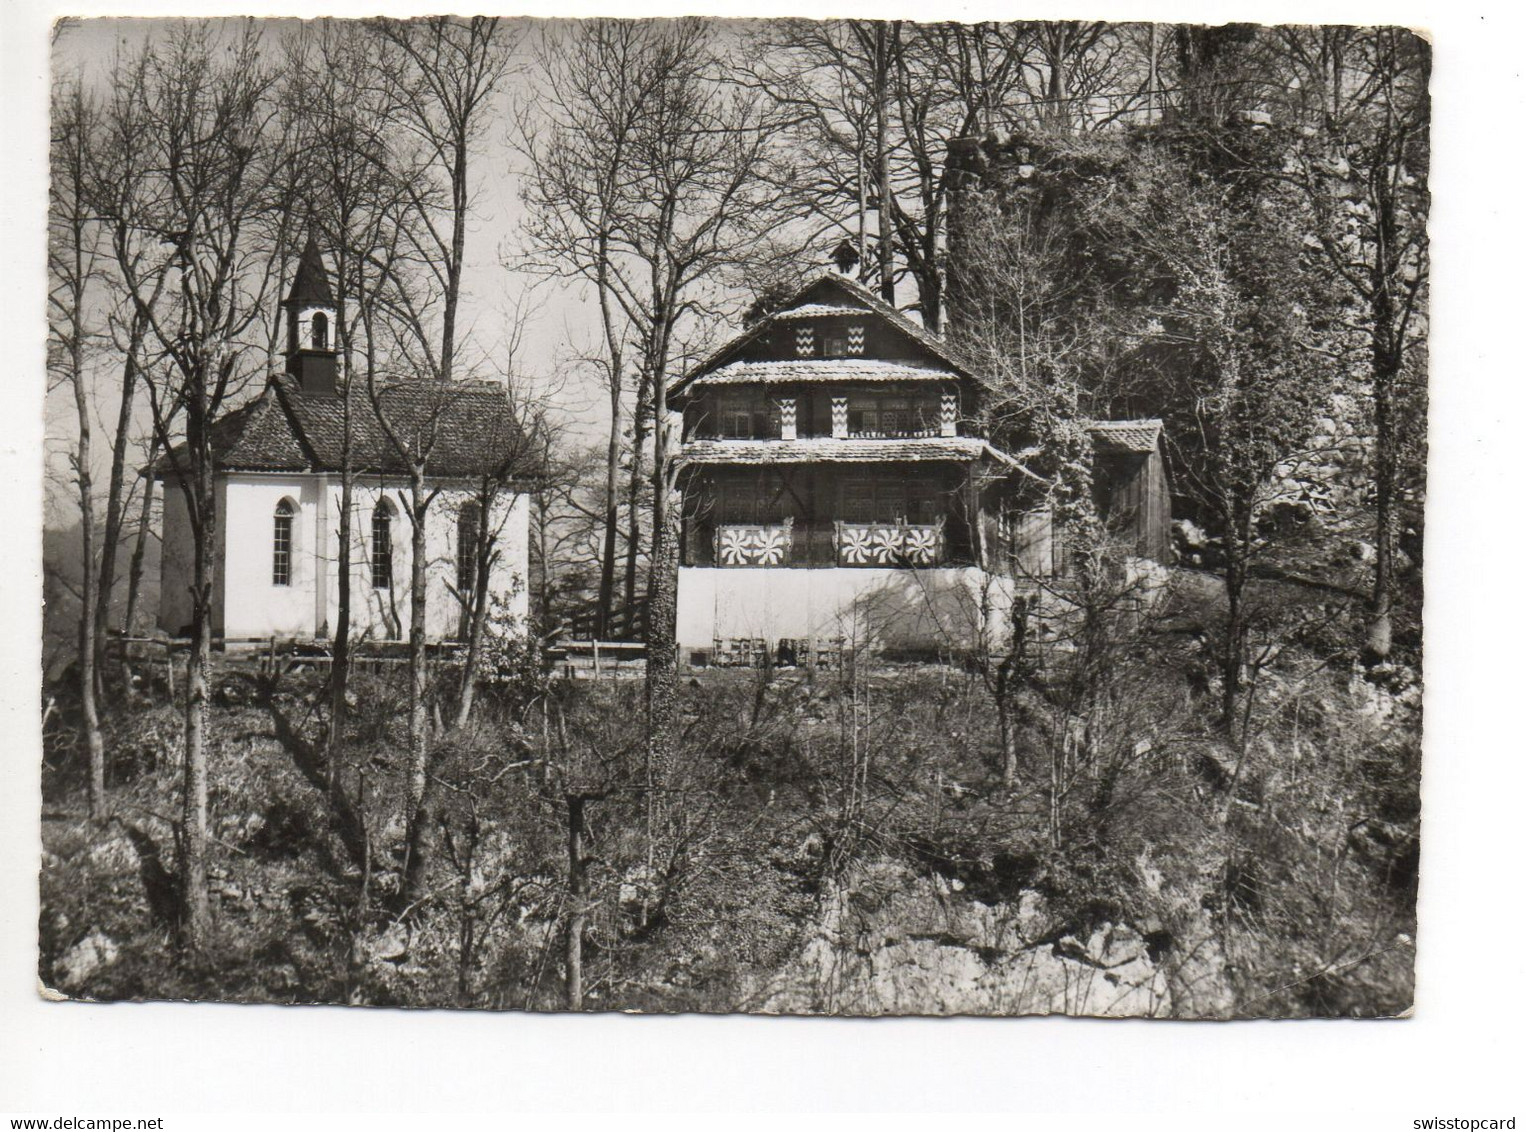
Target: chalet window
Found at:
x=468, y=522
x=890, y=501
x=895, y=415
x=280, y=566
x=747, y=418
x=758, y=498
x=834, y=342
x=381, y=546
x=858, y=501
x=320, y=331
x=870, y=415
x=923, y=503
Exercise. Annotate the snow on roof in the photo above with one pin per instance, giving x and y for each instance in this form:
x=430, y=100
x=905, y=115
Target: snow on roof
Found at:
x=822, y=369
x=827, y=449
x=1126, y=436
x=818, y=310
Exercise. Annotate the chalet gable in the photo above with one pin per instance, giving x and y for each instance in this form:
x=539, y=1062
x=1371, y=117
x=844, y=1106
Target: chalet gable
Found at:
x=832, y=329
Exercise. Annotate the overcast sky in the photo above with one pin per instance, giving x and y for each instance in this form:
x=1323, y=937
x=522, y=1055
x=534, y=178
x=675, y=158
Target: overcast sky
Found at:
x=562, y=317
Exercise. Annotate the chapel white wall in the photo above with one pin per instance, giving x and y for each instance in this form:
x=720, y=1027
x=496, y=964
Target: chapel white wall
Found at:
x=254, y=606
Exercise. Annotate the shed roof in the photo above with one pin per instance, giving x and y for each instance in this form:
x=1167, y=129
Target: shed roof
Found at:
x=1126, y=436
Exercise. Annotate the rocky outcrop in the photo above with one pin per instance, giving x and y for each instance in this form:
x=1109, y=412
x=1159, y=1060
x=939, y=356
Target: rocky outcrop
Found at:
x=891, y=941
x=74, y=968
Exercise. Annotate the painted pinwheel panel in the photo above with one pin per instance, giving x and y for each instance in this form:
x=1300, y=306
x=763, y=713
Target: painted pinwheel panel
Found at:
x=770, y=546
x=733, y=545
x=922, y=546
x=887, y=545
x=866, y=545
x=752, y=546
x=856, y=546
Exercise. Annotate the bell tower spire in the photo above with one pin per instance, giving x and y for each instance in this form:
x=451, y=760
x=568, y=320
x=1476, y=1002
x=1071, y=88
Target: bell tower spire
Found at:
x=311, y=328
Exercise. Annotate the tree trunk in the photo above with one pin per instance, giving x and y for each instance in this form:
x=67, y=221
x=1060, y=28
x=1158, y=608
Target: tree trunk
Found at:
x=1010, y=673
x=478, y=609
x=111, y=534
x=1059, y=82
x=1386, y=363
x=1232, y=656
x=339, y=670
x=1380, y=619
x=662, y=649
x=577, y=901
x=611, y=517
x=135, y=570
x=459, y=202
x=882, y=161
x=88, y=599
x=196, y=907
x=1008, y=731
x=421, y=824
x=633, y=501
x=1057, y=790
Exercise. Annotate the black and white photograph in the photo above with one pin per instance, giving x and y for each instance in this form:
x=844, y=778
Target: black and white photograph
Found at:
x=851, y=517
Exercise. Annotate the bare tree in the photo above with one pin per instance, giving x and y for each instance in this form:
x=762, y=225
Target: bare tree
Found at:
x=435, y=79
x=73, y=249
x=1366, y=176
x=690, y=201
x=356, y=192
x=518, y=442
x=1234, y=348
x=438, y=77
x=876, y=105
x=192, y=110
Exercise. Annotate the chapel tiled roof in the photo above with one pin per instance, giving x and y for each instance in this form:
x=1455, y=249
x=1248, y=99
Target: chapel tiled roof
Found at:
x=820, y=369
x=468, y=429
x=1125, y=436
x=837, y=450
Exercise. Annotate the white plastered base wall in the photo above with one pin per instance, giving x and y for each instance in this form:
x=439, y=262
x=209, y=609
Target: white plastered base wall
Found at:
x=934, y=608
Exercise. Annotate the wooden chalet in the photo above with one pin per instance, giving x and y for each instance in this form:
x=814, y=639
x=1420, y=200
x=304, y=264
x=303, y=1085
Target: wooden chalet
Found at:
x=836, y=485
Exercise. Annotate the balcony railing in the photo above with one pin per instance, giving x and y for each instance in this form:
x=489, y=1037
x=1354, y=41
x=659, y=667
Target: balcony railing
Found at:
x=837, y=544
x=905, y=432
x=753, y=544
x=890, y=544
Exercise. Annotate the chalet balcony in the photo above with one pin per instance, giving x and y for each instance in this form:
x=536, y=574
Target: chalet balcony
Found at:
x=835, y=543
x=895, y=432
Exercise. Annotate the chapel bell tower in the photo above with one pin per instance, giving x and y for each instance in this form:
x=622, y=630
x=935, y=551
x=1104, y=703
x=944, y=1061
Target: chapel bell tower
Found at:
x=312, y=325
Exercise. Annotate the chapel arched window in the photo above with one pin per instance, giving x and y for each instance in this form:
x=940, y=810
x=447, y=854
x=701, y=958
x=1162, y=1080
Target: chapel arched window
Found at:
x=280, y=558
x=381, y=546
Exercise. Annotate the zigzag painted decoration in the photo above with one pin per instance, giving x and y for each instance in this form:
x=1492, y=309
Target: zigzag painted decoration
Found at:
x=805, y=341
x=855, y=339
x=948, y=413
x=787, y=418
